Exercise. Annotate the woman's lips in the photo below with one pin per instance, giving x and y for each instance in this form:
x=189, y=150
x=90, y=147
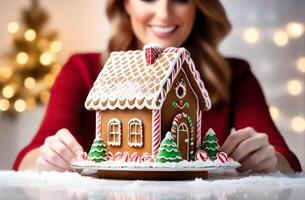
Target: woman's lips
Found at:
x=163, y=31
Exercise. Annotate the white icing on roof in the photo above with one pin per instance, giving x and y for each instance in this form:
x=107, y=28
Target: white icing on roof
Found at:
x=127, y=82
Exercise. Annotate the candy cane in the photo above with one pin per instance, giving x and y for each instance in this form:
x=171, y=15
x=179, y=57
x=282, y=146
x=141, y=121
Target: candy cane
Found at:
x=156, y=136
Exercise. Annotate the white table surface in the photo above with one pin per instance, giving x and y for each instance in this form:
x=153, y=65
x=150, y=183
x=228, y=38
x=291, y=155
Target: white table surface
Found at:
x=54, y=185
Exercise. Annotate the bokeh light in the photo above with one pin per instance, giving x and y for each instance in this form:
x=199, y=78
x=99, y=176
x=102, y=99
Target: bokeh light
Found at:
x=56, y=46
x=8, y=91
x=251, y=35
x=22, y=58
x=46, y=58
x=294, y=87
x=301, y=64
x=298, y=124
x=274, y=112
x=30, y=35
x=280, y=38
x=5, y=73
x=20, y=105
x=13, y=27
x=4, y=104
x=295, y=29
x=29, y=83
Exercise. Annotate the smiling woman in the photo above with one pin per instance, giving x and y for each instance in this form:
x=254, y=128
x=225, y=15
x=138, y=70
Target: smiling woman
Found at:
x=199, y=26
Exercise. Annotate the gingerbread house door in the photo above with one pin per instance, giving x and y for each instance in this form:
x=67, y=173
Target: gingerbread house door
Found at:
x=183, y=140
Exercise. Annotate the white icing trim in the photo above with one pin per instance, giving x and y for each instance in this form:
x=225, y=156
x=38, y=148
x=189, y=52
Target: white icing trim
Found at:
x=115, y=121
x=136, y=122
x=180, y=56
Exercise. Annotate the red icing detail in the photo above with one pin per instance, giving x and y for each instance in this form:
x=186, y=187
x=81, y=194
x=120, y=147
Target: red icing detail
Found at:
x=117, y=156
x=180, y=103
x=109, y=156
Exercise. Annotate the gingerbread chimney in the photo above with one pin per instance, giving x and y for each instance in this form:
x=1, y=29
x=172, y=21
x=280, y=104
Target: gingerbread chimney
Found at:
x=152, y=52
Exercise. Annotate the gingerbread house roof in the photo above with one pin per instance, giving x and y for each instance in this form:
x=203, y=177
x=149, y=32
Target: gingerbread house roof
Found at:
x=126, y=81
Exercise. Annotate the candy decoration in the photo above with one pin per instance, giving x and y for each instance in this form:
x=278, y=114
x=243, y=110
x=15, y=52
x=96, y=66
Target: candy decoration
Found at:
x=97, y=152
x=146, y=157
x=85, y=156
x=202, y=155
x=117, y=156
x=198, y=138
x=152, y=52
x=168, y=151
x=210, y=144
x=109, y=155
x=156, y=137
x=98, y=124
x=125, y=157
x=222, y=156
x=135, y=157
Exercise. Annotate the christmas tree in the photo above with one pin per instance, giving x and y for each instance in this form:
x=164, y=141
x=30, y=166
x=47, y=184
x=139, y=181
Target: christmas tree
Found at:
x=97, y=152
x=28, y=71
x=168, y=151
x=210, y=144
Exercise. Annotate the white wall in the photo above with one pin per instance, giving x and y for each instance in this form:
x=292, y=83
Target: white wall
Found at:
x=83, y=27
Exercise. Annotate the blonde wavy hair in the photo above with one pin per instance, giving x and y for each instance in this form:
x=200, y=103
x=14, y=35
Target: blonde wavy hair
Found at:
x=210, y=27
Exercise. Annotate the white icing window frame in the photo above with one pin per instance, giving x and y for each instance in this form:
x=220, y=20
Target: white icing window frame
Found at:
x=135, y=121
x=114, y=121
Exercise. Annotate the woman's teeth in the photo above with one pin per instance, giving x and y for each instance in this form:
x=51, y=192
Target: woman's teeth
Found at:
x=163, y=29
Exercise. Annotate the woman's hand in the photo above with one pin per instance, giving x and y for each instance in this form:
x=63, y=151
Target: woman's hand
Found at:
x=252, y=150
x=58, y=151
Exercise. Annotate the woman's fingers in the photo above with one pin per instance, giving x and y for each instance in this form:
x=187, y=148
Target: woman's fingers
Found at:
x=249, y=145
x=256, y=159
x=53, y=158
x=61, y=149
x=44, y=165
x=235, y=138
x=67, y=138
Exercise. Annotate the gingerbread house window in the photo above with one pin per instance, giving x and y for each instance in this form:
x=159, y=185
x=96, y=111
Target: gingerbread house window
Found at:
x=114, y=132
x=135, y=133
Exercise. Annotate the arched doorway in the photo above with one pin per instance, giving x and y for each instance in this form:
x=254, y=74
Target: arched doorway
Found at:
x=183, y=140
x=183, y=132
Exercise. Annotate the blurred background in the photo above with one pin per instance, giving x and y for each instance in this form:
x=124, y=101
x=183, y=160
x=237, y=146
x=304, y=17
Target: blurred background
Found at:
x=37, y=37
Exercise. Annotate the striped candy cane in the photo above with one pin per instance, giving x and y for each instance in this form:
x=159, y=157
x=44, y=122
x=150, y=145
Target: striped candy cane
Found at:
x=199, y=129
x=156, y=136
x=98, y=124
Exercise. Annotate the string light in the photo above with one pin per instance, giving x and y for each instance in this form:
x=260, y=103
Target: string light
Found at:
x=298, y=124
x=5, y=73
x=251, y=35
x=274, y=112
x=22, y=58
x=301, y=64
x=29, y=83
x=4, y=104
x=294, y=29
x=46, y=58
x=20, y=105
x=280, y=38
x=56, y=46
x=13, y=27
x=8, y=91
x=30, y=35
x=294, y=87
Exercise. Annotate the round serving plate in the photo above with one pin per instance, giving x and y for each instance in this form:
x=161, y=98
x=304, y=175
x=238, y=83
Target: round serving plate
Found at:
x=149, y=171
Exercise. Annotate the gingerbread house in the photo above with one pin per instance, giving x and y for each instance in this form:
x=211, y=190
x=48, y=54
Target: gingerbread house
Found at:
x=141, y=95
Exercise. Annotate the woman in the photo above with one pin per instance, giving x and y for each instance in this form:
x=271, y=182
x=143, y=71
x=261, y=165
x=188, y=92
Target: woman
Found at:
x=68, y=129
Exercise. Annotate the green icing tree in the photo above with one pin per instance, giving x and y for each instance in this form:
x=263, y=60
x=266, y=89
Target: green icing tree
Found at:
x=210, y=144
x=168, y=151
x=97, y=152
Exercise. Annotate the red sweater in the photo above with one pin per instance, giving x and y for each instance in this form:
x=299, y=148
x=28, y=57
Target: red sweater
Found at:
x=66, y=107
